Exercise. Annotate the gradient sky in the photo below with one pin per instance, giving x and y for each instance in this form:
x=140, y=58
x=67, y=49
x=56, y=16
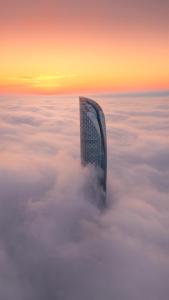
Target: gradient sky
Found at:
x=73, y=46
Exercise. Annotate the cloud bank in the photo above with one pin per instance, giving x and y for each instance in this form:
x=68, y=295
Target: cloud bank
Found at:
x=54, y=242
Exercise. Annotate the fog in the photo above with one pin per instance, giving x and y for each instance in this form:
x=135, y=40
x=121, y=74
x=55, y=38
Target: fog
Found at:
x=54, y=241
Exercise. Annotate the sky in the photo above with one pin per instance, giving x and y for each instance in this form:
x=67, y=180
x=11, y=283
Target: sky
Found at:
x=54, y=241
x=74, y=46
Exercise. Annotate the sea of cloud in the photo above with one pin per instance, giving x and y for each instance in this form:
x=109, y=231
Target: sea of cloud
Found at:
x=54, y=242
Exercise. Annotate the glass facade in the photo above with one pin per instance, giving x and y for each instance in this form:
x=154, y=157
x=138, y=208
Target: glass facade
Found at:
x=93, y=137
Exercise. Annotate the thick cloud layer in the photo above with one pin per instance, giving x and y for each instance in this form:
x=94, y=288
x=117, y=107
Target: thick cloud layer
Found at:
x=54, y=242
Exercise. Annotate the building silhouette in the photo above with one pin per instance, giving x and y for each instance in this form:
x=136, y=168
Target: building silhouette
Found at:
x=93, y=139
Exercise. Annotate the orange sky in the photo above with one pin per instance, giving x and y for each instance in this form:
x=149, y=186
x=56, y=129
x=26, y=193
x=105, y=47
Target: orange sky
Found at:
x=83, y=46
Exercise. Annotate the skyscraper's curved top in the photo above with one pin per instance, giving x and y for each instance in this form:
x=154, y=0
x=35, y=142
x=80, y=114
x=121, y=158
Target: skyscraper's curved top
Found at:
x=93, y=137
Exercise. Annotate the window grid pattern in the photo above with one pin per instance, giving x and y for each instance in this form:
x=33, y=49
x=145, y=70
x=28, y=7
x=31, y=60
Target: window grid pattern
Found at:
x=91, y=142
x=93, y=137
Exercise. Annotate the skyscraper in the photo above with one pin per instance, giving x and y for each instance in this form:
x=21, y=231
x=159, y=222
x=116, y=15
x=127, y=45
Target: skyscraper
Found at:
x=93, y=139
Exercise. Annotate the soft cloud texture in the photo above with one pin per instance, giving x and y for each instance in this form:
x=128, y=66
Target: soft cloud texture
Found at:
x=54, y=242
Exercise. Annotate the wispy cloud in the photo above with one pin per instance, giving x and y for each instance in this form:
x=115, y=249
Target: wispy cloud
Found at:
x=42, y=79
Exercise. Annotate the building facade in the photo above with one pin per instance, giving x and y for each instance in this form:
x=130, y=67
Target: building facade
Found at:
x=93, y=138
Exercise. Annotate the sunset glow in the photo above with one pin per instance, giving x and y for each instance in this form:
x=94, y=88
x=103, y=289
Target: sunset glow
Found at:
x=93, y=47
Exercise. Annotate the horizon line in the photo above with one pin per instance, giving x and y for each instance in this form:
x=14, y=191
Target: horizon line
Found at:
x=155, y=93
